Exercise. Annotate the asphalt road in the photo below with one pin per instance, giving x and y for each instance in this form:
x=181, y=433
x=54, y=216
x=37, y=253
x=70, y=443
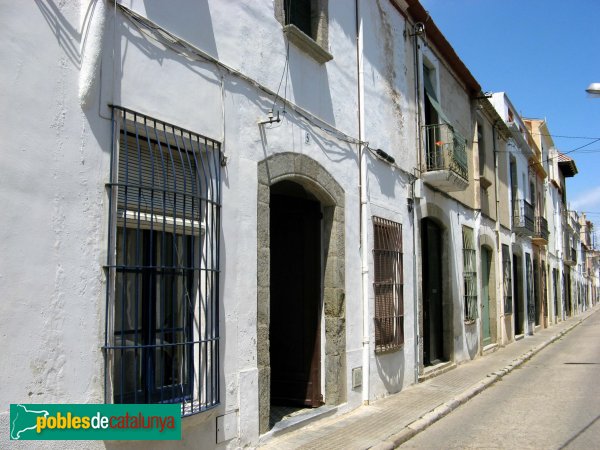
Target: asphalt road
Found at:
x=551, y=402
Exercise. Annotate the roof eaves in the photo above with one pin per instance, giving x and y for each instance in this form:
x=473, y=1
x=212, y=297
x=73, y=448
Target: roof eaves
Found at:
x=416, y=11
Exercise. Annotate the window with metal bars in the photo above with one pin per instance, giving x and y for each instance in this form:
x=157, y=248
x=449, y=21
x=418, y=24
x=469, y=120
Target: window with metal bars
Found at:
x=507, y=280
x=469, y=274
x=162, y=315
x=388, y=285
x=530, y=289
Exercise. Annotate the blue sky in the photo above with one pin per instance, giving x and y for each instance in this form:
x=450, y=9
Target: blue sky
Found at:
x=543, y=54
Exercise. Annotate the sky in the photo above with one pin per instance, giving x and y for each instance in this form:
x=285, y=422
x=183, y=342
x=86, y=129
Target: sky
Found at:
x=543, y=54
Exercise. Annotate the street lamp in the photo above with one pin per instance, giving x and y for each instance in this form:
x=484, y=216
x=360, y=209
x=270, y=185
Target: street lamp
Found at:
x=593, y=89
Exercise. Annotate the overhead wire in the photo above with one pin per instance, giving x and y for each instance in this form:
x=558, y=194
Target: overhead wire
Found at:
x=180, y=46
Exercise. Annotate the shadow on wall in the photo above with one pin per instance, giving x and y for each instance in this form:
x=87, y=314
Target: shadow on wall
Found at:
x=387, y=178
x=333, y=149
x=191, y=21
x=310, y=85
x=472, y=338
x=390, y=367
x=67, y=37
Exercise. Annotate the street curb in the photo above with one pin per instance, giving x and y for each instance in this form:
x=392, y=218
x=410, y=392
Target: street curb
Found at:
x=440, y=411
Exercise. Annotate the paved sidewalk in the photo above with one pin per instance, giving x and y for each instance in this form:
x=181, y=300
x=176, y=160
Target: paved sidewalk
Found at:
x=387, y=423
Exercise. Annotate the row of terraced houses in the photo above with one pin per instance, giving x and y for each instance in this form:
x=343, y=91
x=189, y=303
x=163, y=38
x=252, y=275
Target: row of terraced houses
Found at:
x=258, y=207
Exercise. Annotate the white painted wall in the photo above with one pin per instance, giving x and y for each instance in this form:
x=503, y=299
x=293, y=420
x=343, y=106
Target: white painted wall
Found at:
x=53, y=168
x=75, y=60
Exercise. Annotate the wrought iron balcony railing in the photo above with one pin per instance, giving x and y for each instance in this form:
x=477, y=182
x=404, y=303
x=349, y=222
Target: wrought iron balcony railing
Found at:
x=541, y=228
x=570, y=257
x=523, y=218
x=445, y=149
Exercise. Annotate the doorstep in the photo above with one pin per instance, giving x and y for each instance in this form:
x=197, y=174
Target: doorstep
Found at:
x=299, y=420
x=490, y=348
x=435, y=370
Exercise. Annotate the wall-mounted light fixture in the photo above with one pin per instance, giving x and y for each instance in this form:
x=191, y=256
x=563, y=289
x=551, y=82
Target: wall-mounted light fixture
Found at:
x=270, y=118
x=418, y=29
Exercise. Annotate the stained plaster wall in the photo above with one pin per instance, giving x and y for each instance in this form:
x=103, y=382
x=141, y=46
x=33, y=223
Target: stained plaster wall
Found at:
x=504, y=204
x=461, y=340
x=390, y=125
x=456, y=104
x=487, y=197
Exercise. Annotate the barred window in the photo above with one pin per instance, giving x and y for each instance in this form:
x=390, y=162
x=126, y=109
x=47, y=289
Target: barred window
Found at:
x=469, y=274
x=507, y=280
x=530, y=287
x=162, y=333
x=388, y=285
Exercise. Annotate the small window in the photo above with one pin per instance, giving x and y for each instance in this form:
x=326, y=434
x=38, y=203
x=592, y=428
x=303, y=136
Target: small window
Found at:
x=469, y=274
x=299, y=13
x=162, y=340
x=507, y=280
x=305, y=24
x=388, y=285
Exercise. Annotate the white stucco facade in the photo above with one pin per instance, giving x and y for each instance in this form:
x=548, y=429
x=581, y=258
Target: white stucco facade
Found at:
x=344, y=127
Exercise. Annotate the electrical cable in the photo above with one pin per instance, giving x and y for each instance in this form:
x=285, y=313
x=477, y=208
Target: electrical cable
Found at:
x=178, y=45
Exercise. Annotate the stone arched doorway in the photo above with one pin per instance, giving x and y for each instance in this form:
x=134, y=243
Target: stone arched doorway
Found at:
x=307, y=179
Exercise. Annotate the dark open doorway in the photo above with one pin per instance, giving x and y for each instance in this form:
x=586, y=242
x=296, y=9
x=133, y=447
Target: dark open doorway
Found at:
x=486, y=266
x=295, y=296
x=433, y=323
x=518, y=295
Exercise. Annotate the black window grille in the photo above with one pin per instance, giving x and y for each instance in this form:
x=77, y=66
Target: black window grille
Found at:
x=530, y=289
x=388, y=285
x=162, y=315
x=469, y=274
x=507, y=280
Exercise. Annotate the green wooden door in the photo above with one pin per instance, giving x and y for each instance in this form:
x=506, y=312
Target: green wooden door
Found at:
x=485, y=295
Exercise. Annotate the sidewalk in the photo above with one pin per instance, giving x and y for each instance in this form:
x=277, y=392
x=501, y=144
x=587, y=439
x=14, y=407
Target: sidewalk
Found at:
x=387, y=423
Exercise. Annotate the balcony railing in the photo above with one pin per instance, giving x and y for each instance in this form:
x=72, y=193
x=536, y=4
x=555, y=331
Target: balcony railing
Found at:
x=570, y=257
x=445, y=157
x=523, y=218
x=571, y=222
x=541, y=229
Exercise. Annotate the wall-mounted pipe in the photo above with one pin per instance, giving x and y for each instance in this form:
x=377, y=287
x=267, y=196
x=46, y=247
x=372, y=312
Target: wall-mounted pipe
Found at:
x=364, y=255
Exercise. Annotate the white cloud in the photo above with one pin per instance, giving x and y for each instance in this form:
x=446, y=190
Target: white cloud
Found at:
x=587, y=201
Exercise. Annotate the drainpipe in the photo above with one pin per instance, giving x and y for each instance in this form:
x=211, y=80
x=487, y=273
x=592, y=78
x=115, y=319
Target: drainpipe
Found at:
x=499, y=257
x=364, y=256
x=416, y=294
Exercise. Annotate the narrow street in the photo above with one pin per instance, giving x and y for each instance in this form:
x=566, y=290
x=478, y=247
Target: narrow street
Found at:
x=551, y=402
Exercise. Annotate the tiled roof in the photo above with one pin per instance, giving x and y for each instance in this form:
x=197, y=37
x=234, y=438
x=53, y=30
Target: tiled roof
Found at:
x=567, y=165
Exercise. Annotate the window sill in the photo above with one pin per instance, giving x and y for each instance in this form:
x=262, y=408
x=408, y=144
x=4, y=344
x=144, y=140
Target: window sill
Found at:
x=306, y=44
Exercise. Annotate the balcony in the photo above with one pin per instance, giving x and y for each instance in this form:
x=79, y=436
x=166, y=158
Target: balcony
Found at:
x=446, y=165
x=570, y=258
x=540, y=232
x=523, y=218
